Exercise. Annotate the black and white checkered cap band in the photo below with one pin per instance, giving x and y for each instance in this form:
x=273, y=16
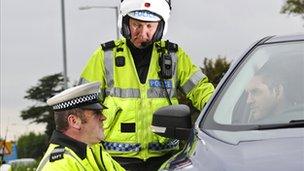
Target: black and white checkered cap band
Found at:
x=76, y=102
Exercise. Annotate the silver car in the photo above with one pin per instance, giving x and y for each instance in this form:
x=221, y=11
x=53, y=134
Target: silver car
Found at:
x=255, y=119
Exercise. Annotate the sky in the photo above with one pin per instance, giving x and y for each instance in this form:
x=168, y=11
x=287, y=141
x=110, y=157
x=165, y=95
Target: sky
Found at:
x=31, y=40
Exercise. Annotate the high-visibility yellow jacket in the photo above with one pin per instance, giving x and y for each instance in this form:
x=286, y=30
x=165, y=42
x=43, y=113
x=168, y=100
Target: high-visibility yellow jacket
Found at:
x=131, y=104
x=68, y=154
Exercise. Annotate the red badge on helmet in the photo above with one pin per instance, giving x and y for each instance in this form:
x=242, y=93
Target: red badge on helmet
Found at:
x=147, y=4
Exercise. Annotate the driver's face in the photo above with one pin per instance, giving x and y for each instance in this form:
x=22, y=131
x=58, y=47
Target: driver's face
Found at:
x=142, y=31
x=261, y=99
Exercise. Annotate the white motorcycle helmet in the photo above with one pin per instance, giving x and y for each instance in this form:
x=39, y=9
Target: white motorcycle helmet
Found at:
x=144, y=10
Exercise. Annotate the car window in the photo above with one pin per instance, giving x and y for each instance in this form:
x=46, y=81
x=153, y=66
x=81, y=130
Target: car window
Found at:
x=267, y=88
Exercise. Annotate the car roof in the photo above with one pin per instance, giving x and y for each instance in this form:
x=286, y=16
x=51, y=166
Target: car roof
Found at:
x=285, y=38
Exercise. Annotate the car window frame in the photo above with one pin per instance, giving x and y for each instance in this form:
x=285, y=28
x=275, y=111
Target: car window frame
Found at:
x=201, y=123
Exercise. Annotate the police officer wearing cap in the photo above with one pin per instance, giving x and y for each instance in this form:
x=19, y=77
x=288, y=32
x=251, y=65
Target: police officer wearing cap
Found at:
x=139, y=74
x=74, y=144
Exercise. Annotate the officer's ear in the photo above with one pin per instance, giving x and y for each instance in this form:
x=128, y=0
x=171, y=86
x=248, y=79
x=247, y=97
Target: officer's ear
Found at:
x=74, y=121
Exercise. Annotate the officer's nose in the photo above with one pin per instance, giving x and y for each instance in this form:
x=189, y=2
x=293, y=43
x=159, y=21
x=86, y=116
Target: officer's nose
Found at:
x=144, y=32
x=102, y=117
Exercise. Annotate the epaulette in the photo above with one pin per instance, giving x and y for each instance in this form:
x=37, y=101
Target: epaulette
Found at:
x=172, y=47
x=166, y=45
x=108, y=45
x=57, y=154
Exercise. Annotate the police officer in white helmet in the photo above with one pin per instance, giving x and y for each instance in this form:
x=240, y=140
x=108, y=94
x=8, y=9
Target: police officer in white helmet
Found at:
x=139, y=74
x=144, y=22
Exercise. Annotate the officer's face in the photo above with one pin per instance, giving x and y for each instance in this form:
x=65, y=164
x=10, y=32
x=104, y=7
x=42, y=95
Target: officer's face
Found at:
x=92, y=129
x=142, y=32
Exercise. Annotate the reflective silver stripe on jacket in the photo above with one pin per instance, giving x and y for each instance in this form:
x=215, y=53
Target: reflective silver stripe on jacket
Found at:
x=157, y=92
x=193, y=81
x=154, y=92
x=123, y=93
x=167, y=146
x=175, y=69
x=108, y=61
x=123, y=147
x=47, y=158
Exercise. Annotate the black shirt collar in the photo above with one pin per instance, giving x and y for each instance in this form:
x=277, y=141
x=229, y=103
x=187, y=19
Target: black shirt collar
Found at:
x=141, y=58
x=138, y=51
x=61, y=139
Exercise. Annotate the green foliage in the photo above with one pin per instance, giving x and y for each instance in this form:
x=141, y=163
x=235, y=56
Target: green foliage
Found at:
x=47, y=87
x=215, y=69
x=32, y=145
x=30, y=167
x=295, y=7
x=24, y=166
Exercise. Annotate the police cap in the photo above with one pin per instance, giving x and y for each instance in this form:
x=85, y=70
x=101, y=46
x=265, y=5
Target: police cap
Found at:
x=84, y=96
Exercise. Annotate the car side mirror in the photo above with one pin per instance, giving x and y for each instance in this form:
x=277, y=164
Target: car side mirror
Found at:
x=172, y=121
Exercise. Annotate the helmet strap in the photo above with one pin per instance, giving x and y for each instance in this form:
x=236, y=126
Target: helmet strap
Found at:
x=159, y=31
x=125, y=29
